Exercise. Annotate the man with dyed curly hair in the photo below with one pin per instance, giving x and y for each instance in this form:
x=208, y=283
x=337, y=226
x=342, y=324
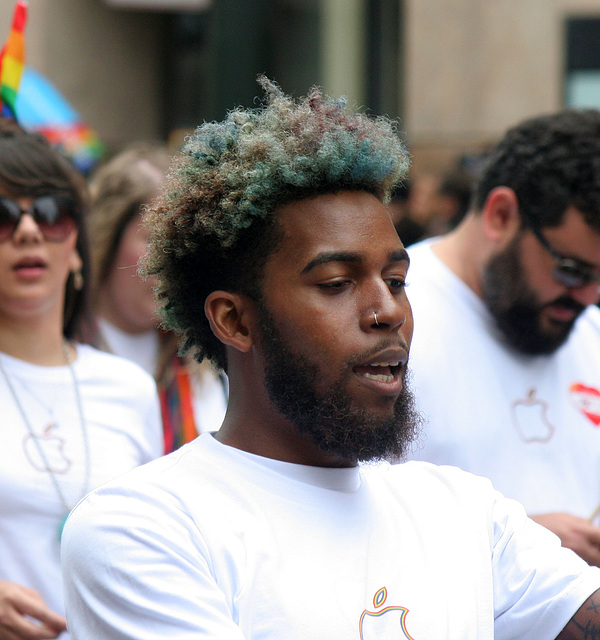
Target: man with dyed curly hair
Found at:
x=277, y=259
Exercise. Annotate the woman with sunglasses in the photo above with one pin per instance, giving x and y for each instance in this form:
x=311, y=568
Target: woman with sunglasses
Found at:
x=72, y=416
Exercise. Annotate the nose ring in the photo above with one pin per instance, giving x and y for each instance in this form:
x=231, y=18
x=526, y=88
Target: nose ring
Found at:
x=375, y=316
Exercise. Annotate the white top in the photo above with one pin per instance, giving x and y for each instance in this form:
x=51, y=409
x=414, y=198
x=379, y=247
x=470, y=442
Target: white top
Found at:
x=209, y=401
x=141, y=348
x=123, y=424
x=212, y=542
x=529, y=423
x=209, y=394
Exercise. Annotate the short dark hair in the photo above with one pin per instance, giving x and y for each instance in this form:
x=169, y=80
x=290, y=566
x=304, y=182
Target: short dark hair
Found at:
x=214, y=226
x=30, y=166
x=551, y=162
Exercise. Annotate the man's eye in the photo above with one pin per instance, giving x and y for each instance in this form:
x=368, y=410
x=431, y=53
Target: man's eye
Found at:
x=335, y=285
x=579, y=271
x=396, y=283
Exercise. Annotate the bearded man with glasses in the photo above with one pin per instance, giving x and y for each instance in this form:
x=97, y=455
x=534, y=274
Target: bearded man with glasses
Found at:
x=506, y=351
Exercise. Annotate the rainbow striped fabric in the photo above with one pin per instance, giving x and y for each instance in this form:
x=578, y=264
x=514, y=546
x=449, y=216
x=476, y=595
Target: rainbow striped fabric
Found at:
x=177, y=407
x=12, y=61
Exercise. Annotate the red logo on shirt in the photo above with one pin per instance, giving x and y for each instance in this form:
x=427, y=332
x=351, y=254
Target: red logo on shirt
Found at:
x=587, y=400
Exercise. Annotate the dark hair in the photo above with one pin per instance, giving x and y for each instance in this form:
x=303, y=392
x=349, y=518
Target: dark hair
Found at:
x=551, y=162
x=29, y=166
x=215, y=224
x=457, y=186
x=401, y=191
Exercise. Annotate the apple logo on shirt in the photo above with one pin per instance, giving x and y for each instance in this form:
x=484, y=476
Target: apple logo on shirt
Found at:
x=383, y=622
x=530, y=417
x=45, y=452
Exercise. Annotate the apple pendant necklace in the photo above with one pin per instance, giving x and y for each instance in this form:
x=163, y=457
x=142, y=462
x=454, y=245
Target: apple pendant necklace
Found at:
x=40, y=449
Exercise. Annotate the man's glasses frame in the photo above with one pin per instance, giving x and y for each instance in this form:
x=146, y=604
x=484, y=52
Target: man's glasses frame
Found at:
x=568, y=272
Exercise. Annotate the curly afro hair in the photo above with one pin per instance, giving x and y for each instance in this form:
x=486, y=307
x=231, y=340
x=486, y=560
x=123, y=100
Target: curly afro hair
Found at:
x=214, y=225
x=551, y=162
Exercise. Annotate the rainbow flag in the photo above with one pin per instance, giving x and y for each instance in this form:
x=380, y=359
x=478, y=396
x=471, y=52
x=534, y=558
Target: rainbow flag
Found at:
x=12, y=61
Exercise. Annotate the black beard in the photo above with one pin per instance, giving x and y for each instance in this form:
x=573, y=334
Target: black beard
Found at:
x=335, y=426
x=515, y=308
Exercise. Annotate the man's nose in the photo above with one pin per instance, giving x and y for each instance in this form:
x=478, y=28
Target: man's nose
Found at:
x=388, y=310
x=587, y=295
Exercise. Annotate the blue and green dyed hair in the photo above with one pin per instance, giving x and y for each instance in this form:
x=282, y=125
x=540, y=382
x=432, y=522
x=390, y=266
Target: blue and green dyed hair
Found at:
x=214, y=225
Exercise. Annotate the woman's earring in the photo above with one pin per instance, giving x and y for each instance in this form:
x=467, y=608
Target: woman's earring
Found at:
x=77, y=280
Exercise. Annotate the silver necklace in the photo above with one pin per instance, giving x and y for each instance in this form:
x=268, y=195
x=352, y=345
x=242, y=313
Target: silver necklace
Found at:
x=86, y=443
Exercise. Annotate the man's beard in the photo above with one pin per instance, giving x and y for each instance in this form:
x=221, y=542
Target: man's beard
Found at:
x=349, y=433
x=515, y=307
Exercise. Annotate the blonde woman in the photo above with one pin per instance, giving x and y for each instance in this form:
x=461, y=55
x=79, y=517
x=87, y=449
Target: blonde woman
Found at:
x=193, y=397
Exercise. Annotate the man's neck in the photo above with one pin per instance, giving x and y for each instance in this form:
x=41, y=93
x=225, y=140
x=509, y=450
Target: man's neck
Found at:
x=464, y=252
x=252, y=424
x=287, y=446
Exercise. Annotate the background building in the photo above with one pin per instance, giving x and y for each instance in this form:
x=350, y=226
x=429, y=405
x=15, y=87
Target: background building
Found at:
x=456, y=72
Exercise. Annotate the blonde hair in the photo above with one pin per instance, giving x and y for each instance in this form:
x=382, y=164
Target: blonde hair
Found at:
x=119, y=190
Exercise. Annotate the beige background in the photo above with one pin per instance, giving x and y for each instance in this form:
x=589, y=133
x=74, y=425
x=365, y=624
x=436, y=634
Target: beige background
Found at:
x=470, y=68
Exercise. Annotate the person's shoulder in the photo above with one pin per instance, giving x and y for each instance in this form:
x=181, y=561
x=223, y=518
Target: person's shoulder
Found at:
x=137, y=498
x=167, y=482
x=423, y=489
x=431, y=285
x=591, y=317
x=195, y=461
x=100, y=364
x=586, y=332
x=424, y=264
x=150, y=482
x=422, y=250
x=427, y=475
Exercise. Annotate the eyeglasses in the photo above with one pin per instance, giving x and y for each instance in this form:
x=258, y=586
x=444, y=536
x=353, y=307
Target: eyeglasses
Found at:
x=569, y=272
x=54, y=215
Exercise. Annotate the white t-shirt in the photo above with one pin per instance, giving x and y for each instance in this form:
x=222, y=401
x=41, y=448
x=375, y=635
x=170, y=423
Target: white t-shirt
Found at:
x=209, y=401
x=141, y=348
x=213, y=542
x=529, y=423
x=209, y=393
x=122, y=418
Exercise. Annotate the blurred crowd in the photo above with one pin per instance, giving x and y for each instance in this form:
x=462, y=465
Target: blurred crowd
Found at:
x=431, y=203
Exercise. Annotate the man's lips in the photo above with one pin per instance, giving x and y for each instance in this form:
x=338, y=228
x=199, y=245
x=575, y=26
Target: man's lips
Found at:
x=561, y=314
x=564, y=309
x=384, y=368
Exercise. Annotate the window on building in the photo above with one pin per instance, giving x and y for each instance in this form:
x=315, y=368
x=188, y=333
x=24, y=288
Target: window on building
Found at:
x=384, y=56
x=582, y=74
x=216, y=55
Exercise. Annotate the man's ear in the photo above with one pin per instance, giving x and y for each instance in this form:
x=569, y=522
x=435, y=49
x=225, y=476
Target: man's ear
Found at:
x=231, y=318
x=501, y=219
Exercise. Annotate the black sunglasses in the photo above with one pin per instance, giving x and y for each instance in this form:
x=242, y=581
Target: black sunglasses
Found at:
x=54, y=215
x=567, y=271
